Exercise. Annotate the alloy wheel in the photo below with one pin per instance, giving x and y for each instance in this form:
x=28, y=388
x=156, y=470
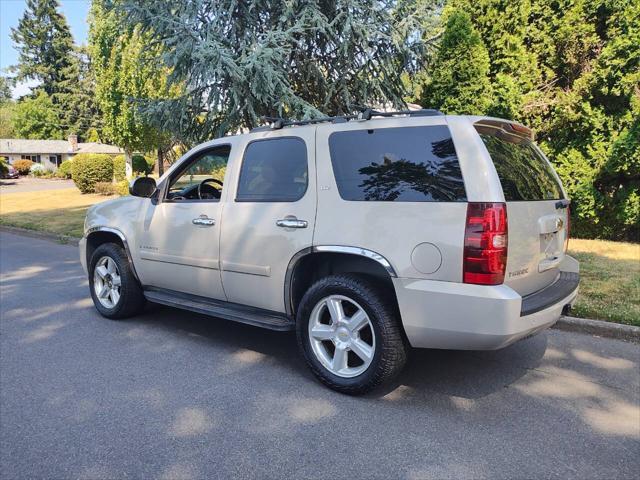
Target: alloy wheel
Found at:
x=342, y=336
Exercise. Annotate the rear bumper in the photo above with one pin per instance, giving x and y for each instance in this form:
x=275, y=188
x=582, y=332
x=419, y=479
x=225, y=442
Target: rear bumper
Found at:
x=474, y=317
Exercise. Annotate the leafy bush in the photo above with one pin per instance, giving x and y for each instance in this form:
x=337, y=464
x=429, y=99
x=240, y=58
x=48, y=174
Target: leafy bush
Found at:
x=37, y=170
x=4, y=168
x=90, y=168
x=104, y=188
x=64, y=170
x=142, y=165
x=22, y=166
x=119, y=168
x=122, y=188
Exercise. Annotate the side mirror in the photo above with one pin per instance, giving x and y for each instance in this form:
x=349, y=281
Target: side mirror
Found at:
x=142, y=187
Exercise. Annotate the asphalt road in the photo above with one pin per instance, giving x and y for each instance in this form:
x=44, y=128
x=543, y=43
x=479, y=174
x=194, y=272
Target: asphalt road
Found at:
x=177, y=395
x=28, y=184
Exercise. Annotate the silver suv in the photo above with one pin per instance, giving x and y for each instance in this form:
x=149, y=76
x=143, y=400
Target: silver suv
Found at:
x=366, y=235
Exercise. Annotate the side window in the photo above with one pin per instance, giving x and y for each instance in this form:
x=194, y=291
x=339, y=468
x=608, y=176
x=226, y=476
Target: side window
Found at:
x=201, y=177
x=273, y=170
x=409, y=164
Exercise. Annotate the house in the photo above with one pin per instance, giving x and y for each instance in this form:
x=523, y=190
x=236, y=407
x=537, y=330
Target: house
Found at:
x=50, y=153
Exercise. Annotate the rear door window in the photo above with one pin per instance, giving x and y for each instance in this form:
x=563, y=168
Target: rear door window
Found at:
x=409, y=164
x=524, y=173
x=274, y=170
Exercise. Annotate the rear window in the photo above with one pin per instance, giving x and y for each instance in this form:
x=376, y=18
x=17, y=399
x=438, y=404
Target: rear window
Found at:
x=274, y=170
x=410, y=164
x=524, y=173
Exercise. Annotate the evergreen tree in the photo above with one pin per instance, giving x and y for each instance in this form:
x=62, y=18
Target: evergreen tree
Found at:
x=78, y=109
x=459, y=81
x=238, y=61
x=44, y=44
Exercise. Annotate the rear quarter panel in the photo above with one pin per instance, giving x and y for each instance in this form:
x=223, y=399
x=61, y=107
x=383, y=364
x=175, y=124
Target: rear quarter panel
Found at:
x=395, y=229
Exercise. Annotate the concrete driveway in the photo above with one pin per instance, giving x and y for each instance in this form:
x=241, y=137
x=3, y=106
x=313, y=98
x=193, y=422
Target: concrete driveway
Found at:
x=177, y=395
x=29, y=184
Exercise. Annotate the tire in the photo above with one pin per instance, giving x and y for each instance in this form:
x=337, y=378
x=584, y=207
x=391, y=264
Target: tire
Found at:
x=382, y=334
x=130, y=299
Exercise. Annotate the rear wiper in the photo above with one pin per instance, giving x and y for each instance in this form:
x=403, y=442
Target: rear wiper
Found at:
x=562, y=203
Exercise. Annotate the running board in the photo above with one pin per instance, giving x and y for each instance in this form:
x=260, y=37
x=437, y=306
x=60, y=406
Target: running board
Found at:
x=220, y=309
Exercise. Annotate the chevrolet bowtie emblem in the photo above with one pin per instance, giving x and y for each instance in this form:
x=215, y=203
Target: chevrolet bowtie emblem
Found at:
x=559, y=223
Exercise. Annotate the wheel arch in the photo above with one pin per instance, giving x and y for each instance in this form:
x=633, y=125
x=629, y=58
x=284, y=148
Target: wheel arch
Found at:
x=312, y=263
x=97, y=236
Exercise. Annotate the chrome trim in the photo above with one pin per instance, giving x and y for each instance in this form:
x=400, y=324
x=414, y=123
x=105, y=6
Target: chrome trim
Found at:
x=358, y=251
x=288, y=279
x=124, y=242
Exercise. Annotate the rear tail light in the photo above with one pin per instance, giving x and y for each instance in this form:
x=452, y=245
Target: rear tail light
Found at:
x=485, y=243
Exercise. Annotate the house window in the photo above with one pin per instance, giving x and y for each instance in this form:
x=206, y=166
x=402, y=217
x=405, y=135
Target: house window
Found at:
x=33, y=158
x=55, y=159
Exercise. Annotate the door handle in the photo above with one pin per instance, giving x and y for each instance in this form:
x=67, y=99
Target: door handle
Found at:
x=203, y=221
x=291, y=222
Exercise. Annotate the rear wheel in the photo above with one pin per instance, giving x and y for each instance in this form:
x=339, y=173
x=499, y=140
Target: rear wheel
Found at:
x=349, y=333
x=114, y=289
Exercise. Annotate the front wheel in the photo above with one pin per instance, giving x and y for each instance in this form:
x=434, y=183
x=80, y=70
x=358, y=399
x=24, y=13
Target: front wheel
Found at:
x=349, y=333
x=114, y=289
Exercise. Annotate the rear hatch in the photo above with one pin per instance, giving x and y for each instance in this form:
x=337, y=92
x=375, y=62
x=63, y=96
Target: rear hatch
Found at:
x=537, y=211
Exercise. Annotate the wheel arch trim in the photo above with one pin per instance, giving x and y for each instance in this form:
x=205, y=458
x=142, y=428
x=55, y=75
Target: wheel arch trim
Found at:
x=119, y=234
x=344, y=249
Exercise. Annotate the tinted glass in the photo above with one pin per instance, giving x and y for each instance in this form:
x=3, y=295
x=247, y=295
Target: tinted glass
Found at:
x=274, y=170
x=412, y=164
x=524, y=173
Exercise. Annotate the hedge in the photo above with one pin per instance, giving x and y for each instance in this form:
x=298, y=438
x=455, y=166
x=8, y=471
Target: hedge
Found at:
x=4, y=168
x=65, y=169
x=140, y=165
x=90, y=168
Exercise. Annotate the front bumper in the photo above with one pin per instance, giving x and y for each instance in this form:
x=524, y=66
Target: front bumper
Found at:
x=461, y=316
x=82, y=247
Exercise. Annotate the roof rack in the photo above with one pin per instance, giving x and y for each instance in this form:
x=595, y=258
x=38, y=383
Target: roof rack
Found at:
x=277, y=123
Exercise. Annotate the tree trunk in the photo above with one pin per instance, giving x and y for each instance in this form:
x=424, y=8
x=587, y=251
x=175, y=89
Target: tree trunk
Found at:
x=128, y=164
x=160, y=163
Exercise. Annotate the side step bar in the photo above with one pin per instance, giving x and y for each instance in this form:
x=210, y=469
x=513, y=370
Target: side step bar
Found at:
x=220, y=309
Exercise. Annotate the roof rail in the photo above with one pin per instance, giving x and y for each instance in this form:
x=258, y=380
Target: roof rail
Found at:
x=276, y=123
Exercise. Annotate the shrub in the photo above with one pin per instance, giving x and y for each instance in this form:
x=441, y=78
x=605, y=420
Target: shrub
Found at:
x=4, y=168
x=104, y=188
x=90, y=168
x=37, y=170
x=64, y=170
x=122, y=188
x=142, y=165
x=22, y=166
x=119, y=168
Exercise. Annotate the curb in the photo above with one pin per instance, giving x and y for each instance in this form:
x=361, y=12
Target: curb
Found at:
x=54, y=237
x=600, y=328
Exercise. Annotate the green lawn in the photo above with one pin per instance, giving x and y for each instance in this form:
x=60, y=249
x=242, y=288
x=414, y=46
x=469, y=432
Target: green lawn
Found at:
x=609, y=280
x=610, y=271
x=54, y=211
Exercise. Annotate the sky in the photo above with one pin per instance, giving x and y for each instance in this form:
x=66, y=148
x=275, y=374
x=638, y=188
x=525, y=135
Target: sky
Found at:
x=11, y=11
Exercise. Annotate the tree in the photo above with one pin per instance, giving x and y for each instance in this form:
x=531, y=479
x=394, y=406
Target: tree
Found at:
x=5, y=90
x=44, y=44
x=238, y=61
x=459, y=81
x=570, y=69
x=125, y=62
x=37, y=118
x=78, y=109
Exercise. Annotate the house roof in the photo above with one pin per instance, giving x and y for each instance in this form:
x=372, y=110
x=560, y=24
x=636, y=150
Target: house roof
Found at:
x=34, y=147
